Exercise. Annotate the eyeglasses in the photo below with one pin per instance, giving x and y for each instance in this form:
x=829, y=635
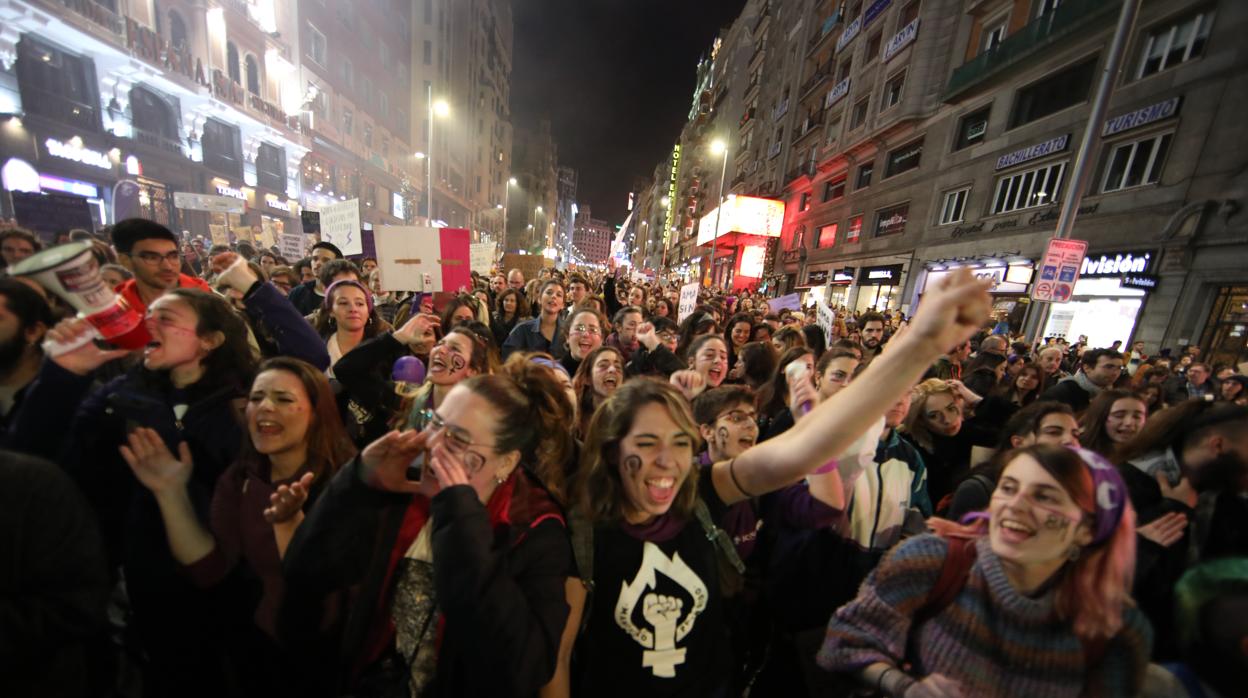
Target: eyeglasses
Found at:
x=667, y=336
x=587, y=329
x=738, y=416
x=156, y=258
x=457, y=441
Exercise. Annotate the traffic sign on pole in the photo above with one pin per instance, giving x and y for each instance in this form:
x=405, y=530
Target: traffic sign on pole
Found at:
x=1059, y=270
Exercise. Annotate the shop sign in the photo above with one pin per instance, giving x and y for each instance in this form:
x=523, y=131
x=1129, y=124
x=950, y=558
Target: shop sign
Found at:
x=188, y=201
x=1059, y=270
x=1002, y=278
x=902, y=39
x=1144, y=282
x=231, y=192
x=874, y=11
x=276, y=203
x=149, y=46
x=1031, y=152
x=817, y=278
x=836, y=93
x=1116, y=264
x=889, y=275
x=77, y=153
x=851, y=30
x=844, y=275
x=1140, y=117
x=671, y=195
x=890, y=221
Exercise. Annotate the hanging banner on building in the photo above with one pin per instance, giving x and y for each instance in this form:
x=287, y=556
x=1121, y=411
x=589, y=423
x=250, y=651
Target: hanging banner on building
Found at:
x=419, y=258
x=189, y=201
x=688, y=301
x=292, y=246
x=340, y=224
x=482, y=255
x=1059, y=270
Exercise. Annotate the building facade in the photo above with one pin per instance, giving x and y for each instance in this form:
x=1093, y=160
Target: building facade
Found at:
x=533, y=206
x=591, y=239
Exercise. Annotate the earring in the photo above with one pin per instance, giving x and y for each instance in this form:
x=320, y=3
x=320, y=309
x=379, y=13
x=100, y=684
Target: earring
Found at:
x=1073, y=555
x=499, y=480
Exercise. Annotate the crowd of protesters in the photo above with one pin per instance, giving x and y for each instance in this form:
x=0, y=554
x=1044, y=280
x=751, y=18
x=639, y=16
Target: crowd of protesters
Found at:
x=309, y=484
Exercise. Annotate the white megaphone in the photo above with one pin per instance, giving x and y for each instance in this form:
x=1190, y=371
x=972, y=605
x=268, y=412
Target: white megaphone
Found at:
x=72, y=272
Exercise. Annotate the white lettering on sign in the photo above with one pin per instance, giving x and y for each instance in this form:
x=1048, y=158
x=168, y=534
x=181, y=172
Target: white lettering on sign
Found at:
x=77, y=153
x=880, y=274
x=836, y=93
x=901, y=39
x=274, y=202
x=1119, y=264
x=851, y=30
x=1039, y=150
x=1139, y=117
x=231, y=192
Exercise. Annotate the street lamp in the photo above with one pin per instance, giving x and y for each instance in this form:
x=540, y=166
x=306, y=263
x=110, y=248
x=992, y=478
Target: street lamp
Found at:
x=442, y=109
x=719, y=147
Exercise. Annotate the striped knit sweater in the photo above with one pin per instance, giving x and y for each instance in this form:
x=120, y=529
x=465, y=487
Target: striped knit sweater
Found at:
x=991, y=639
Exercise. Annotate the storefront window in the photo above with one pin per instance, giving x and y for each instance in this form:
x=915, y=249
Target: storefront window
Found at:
x=1225, y=339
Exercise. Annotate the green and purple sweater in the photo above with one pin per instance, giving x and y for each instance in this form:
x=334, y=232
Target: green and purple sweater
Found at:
x=991, y=639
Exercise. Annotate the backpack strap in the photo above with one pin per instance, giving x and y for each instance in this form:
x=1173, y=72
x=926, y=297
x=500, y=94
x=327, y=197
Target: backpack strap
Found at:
x=718, y=536
x=959, y=560
x=582, y=532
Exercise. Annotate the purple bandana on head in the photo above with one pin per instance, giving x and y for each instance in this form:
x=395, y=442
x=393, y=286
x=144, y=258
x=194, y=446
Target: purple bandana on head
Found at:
x=1109, y=493
x=553, y=365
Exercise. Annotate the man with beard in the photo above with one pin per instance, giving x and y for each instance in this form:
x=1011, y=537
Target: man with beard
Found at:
x=310, y=295
x=871, y=327
x=150, y=250
x=24, y=318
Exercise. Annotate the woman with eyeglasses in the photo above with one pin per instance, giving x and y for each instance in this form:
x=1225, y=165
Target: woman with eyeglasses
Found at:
x=539, y=333
x=194, y=372
x=454, y=539
x=598, y=376
x=656, y=614
x=586, y=330
x=292, y=445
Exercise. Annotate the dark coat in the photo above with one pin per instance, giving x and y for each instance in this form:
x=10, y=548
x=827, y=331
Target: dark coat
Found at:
x=1070, y=393
x=499, y=585
x=366, y=391
x=305, y=298
x=527, y=336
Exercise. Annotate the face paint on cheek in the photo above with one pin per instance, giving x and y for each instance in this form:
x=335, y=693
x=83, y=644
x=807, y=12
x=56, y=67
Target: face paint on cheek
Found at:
x=722, y=435
x=458, y=363
x=1058, y=522
x=632, y=464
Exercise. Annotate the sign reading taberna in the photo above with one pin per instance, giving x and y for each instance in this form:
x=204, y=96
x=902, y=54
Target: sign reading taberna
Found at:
x=1140, y=117
x=1031, y=152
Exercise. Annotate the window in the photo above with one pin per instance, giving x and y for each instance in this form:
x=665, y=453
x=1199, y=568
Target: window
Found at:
x=804, y=202
x=428, y=54
x=873, y=46
x=252, y=68
x=366, y=87
x=1175, y=43
x=348, y=74
x=178, y=34
x=231, y=63
x=954, y=207
x=892, y=90
x=348, y=121
x=317, y=46
x=383, y=105
x=971, y=129
x=993, y=35
x=834, y=189
x=842, y=71
x=1058, y=91
x=865, y=171
x=223, y=148
x=318, y=99
x=1136, y=163
x=1035, y=187
x=385, y=55
x=368, y=135
x=909, y=13
x=827, y=235
x=153, y=114
x=428, y=11
x=859, y=115
x=891, y=220
x=855, y=229
x=271, y=167
x=904, y=159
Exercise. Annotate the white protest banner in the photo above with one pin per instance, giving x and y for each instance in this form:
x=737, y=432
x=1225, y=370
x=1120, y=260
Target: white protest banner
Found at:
x=793, y=301
x=292, y=246
x=340, y=224
x=688, y=301
x=482, y=254
x=826, y=317
x=417, y=258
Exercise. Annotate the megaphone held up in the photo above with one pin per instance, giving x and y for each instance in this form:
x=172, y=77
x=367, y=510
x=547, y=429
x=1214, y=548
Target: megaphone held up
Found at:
x=72, y=273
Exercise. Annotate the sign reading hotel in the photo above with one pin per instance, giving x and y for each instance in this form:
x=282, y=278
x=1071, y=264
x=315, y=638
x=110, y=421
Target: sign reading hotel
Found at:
x=751, y=215
x=671, y=195
x=1031, y=152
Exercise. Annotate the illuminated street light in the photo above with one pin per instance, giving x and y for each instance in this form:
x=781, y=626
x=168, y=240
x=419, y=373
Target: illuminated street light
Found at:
x=419, y=156
x=441, y=108
x=718, y=146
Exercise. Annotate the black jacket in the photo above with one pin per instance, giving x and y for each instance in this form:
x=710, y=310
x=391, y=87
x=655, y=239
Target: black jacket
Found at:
x=499, y=587
x=660, y=362
x=366, y=392
x=1069, y=392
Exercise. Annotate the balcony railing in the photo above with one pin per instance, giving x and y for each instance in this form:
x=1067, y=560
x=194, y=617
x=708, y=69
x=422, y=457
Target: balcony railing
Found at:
x=764, y=14
x=747, y=117
x=1041, y=32
x=810, y=124
x=825, y=30
x=821, y=74
x=99, y=15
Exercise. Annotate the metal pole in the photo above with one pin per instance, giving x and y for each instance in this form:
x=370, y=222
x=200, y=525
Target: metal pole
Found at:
x=429, y=158
x=1092, y=131
x=506, y=203
x=719, y=210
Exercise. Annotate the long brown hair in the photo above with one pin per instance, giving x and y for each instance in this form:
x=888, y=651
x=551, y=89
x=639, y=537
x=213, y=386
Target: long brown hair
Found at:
x=598, y=492
x=329, y=445
x=583, y=384
x=1092, y=433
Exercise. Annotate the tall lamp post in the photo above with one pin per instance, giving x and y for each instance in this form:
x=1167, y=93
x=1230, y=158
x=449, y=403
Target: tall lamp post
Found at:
x=441, y=109
x=718, y=147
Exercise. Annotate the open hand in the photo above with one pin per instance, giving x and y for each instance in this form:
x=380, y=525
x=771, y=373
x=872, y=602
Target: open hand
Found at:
x=82, y=359
x=288, y=500
x=158, y=469
x=419, y=329
x=234, y=272
x=385, y=461
x=1165, y=530
x=935, y=686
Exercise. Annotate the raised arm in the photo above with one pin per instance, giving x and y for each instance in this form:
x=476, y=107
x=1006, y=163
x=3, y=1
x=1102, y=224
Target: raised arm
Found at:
x=948, y=316
x=269, y=308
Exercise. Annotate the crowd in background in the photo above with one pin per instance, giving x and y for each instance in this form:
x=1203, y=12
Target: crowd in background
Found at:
x=306, y=483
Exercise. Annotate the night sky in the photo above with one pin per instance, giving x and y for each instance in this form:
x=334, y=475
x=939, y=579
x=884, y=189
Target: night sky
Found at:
x=616, y=79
